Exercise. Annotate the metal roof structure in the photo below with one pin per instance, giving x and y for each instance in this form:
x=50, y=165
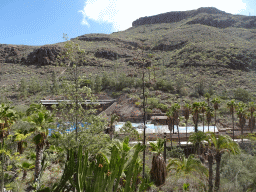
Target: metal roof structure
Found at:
x=56, y=102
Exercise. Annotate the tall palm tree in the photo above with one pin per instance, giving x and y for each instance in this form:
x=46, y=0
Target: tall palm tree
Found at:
x=231, y=105
x=209, y=116
x=195, y=112
x=175, y=108
x=221, y=144
x=158, y=171
x=252, y=108
x=40, y=121
x=203, y=106
x=169, y=115
x=241, y=113
x=113, y=119
x=215, y=102
x=187, y=109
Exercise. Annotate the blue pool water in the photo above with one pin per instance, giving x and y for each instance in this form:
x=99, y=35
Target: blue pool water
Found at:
x=151, y=128
x=72, y=127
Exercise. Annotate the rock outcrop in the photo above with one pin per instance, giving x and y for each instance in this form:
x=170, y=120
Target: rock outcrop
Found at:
x=45, y=55
x=109, y=54
x=12, y=53
x=206, y=16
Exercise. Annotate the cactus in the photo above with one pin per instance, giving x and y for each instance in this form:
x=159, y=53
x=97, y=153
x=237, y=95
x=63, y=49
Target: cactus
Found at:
x=102, y=174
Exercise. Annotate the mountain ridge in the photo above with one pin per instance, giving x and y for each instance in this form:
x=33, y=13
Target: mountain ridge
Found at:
x=216, y=18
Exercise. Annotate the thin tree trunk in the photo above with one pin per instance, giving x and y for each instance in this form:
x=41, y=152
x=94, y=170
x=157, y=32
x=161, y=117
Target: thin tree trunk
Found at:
x=208, y=126
x=178, y=134
x=38, y=166
x=217, y=179
x=187, y=132
x=215, y=121
x=210, y=162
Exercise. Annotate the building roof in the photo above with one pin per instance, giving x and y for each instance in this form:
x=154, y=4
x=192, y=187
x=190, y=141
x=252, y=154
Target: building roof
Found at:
x=158, y=118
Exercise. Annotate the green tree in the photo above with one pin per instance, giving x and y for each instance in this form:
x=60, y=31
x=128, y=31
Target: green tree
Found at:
x=252, y=108
x=187, y=166
x=197, y=138
x=209, y=115
x=187, y=109
x=241, y=113
x=203, y=106
x=195, y=112
x=215, y=102
x=41, y=121
x=175, y=109
x=170, y=122
x=158, y=171
x=221, y=144
x=7, y=119
x=231, y=105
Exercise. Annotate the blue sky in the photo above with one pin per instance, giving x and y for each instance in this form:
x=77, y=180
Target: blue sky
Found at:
x=40, y=22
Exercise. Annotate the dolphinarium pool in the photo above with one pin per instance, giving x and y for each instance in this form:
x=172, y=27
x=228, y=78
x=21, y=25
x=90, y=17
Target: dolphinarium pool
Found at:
x=151, y=128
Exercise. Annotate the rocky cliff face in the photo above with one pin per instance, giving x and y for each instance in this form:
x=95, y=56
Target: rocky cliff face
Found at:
x=206, y=16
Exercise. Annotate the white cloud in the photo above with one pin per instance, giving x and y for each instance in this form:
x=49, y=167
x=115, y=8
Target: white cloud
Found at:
x=122, y=13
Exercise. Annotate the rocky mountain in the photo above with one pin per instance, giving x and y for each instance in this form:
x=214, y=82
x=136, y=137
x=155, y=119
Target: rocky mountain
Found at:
x=206, y=16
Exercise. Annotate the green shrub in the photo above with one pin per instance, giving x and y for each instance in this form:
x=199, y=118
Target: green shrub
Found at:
x=242, y=95
x=98, y=84
x=153, y=102
x=116, y=94
x=184, y=91
x=164, y=85
x=176, y=152
x=106, y=81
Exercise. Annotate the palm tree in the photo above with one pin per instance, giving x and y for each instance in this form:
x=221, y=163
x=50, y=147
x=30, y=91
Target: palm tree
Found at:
x=169, y=115
x=231, y=105
x=40, y=121
x=7, y=118
x=187, y=166
x=197, y=138
x=175, y=108
x=114, y=118
x=209, y=115
x=158, y=171
x=195, y=112
x=242, y=119
x=223, y=143
x=203, y=106
x=215, y=102
x=252, y=108
x=187, y=109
